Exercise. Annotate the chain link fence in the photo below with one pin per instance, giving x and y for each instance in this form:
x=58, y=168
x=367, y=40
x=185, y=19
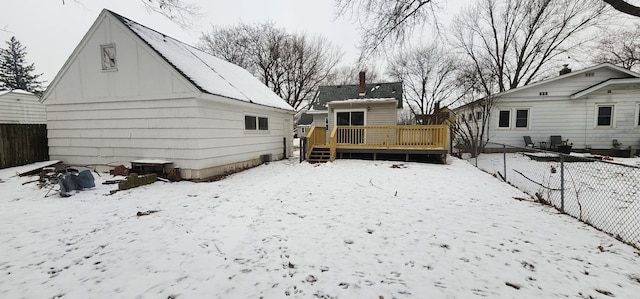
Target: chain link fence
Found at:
x=601, y=193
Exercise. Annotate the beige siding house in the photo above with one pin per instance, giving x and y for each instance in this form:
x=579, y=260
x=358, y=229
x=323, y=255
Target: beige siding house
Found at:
x=363, y=104
x=128, y=92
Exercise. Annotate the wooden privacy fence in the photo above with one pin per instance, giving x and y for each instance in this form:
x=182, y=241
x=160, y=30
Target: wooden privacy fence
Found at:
x=22, y=144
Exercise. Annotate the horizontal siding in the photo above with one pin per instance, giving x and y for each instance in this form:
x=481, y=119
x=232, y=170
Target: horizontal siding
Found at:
x=570, y=85
x=24, y=111
x=194, y=133
x=573, y=119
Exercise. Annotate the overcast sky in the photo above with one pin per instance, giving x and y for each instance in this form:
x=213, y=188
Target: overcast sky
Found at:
x=51, y=30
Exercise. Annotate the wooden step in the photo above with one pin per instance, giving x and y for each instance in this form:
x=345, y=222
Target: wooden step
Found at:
x=319, y=155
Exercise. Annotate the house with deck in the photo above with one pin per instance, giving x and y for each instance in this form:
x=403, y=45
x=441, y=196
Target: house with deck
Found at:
x=594, y=109
x=361, y=120
x=129, y=93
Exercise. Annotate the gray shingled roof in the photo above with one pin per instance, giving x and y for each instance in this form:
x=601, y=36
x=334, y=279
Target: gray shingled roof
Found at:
x=305, y=119
x=345, y=92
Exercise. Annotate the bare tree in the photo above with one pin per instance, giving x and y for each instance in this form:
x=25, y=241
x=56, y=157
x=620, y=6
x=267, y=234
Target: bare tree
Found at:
x=620, y=47
x=428, y=75
x=385, y=22
x=181, y=12
x=231, y=43
x=624, y=6
x=512, y=41
x=292, y=65
x=308, y=62
x=348, y=74
x=471, y=126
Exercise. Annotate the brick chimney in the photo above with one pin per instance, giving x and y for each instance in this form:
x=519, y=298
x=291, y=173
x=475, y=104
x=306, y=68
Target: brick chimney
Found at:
x=362, y=88
x=565, y=69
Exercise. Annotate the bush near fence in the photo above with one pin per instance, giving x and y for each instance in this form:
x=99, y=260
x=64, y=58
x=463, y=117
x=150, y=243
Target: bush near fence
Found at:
x=600, y=193
x=22, y=144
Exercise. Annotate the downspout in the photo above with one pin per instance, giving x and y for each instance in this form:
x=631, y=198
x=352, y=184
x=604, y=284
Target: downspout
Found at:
x=586, y=122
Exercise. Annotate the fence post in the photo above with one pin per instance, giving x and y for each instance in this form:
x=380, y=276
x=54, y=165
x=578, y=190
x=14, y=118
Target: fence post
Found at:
x=561, y=183
x=303, y=150
x=504, y=158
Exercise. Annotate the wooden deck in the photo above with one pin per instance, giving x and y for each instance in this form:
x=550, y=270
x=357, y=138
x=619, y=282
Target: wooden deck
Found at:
x=408, y=140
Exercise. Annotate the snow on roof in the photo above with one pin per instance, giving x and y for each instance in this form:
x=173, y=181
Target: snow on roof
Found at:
x=366, y=100
x=17, y=91
x=211, y=74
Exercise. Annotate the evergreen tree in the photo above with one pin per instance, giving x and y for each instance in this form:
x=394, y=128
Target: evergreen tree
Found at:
x=15, y=73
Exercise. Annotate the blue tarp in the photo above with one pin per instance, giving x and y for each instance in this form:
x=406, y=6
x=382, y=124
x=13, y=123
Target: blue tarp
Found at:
x=71, y=180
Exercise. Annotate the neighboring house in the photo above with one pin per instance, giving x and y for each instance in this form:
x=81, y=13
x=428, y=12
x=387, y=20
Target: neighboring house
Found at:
x=23, y=130
x=364, y=104
x=303, y=124
x=128, y=92
x=21, y=107
x=589, y=109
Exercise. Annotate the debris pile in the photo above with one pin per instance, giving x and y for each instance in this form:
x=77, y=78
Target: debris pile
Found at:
x=133, y=180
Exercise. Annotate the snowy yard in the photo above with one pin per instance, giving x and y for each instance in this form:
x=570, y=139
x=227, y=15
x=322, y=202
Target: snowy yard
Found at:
x=348, y=229
x=600, y=193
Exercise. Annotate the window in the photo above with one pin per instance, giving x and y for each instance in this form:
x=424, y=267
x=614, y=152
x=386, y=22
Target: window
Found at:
x=263, y=123
x=479, y=115
x=522, y=118
x=638, y=115
x=605, y=116
x=249, y=122
x=108, y=57
x=326, y=123
x=503, y=119
x=544, y=93
x=350, y=118
x=589, y=74
x=256, y=123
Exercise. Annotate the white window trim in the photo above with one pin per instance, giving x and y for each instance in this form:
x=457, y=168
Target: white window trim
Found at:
x=102, y=57
x=335, y=115
x=257, y=129
x=636, y=120
x=510, y=119
x=515, y=118
x=613, y=116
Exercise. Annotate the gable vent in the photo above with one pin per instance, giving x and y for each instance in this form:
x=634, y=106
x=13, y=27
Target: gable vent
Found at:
x=589, y=74
x=544, y=93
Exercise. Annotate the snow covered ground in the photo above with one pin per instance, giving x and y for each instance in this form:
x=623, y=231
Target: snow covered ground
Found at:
x=348, y=229
x=604, y=194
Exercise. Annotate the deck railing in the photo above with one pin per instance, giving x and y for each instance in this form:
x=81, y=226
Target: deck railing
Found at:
x=390, y=137
x=315, y=137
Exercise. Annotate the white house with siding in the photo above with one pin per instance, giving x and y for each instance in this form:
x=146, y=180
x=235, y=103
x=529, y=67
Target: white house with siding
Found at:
x=589, y=108
x=21, y=107
x=128, y=92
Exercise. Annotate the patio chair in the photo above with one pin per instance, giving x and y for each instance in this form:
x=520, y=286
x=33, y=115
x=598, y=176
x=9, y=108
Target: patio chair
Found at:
x=554, y=141
x=528, y=142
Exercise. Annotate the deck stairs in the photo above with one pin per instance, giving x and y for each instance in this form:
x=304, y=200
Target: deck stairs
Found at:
x=319, y=154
